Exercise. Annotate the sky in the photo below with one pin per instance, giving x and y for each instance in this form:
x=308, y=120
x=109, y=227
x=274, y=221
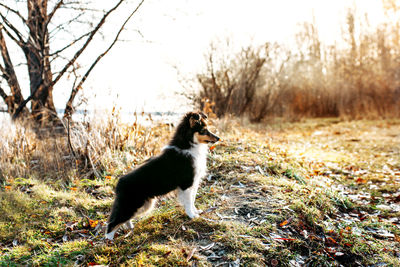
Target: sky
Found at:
x=140, y=73
x=176, y=34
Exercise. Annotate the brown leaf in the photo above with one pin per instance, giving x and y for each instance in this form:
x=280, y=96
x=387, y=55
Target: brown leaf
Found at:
x=167, y=253
x=191, y=254
x=283, y=223
x=274, y=262
x=331, y=240
x=93, y=223
x=286, y=222
x=361, y=180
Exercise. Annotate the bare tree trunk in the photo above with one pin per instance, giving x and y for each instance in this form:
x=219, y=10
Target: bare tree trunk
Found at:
x=37, y=55
x=34, y=40
x=16, y=97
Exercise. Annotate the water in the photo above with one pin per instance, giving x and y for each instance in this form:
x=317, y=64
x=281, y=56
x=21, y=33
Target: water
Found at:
x=143, y=118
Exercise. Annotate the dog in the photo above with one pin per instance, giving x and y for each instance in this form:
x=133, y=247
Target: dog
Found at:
x=180, y=167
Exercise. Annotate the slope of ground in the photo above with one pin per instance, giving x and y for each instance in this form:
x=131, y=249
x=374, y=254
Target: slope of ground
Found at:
x=316, y=193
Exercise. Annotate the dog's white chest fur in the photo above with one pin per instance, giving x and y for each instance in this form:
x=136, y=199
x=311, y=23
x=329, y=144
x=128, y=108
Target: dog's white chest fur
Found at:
x=199, y=155
x=198, y=152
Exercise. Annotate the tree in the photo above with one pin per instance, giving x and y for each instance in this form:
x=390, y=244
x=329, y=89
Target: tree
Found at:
x=32, y=30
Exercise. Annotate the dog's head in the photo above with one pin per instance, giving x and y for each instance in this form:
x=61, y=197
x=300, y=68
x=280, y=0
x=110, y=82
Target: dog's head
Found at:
x=198, y=124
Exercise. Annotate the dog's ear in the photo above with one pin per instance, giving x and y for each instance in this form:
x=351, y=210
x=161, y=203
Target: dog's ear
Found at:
x=204, y=116
x=194, y=119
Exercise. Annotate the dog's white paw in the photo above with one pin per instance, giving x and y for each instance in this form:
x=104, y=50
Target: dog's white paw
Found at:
x=192, y=214
x=110, y=236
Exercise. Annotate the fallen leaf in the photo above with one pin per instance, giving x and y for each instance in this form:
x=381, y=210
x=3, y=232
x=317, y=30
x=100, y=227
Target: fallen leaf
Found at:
x=304, y=233
x=74, y=188
x=93, y=223
x=285, y=239
x=7, y=187
x=167, y=253
x=207, y=247
x=108, y=177
x=258, y=168
x=283, y=223
x=330, y=249
x=286, y=222
x=331, y=240
x=361, y=180
x=191, y=254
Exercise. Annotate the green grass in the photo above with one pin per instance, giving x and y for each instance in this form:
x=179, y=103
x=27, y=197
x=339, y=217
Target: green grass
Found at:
x=277, y=194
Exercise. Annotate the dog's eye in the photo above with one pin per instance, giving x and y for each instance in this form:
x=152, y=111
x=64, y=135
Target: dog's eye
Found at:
x=203, y=132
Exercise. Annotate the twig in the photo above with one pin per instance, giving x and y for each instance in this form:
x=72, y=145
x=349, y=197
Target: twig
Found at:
x=75, y=90
x=69, y=139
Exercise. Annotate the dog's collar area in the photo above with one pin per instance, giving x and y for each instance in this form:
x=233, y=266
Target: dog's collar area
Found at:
x=180, y=149
x=171, y=147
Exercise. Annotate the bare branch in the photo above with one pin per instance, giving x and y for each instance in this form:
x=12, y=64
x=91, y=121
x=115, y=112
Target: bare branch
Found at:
x=79, y=52
x=2, y=69
x=8, y=69
x=51, y=14
x=22, y=106
x=72, y=61
x=20, y=40
x=69, y=45
x=14, y=11
x=68, y=108
x=3, y=94
x=67, y=23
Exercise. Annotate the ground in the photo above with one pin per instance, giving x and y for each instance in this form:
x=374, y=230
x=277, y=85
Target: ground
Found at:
x=316, y=193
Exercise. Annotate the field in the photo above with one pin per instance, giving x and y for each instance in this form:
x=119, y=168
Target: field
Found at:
x=321, y=192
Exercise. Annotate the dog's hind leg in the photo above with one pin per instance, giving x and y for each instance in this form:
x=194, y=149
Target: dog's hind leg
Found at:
x=121, y=212
x=147, y=207
x=129, y=225
x=110, y=235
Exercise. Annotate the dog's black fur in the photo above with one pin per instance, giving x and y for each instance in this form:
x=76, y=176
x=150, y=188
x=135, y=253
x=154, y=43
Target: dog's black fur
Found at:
x=160, y=175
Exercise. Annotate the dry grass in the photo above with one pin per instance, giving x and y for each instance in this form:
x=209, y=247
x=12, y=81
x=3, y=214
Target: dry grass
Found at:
x=93, y=149
x=319, y=192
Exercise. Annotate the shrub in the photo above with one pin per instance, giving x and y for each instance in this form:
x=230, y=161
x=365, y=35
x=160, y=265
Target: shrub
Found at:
x=359, y=77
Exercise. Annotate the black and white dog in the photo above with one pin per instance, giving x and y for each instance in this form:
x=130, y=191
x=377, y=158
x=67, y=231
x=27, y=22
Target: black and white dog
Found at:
x=180, y=167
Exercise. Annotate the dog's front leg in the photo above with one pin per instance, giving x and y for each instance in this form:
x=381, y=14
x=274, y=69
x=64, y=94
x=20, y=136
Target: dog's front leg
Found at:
x=194, y=193
x=186, y=198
